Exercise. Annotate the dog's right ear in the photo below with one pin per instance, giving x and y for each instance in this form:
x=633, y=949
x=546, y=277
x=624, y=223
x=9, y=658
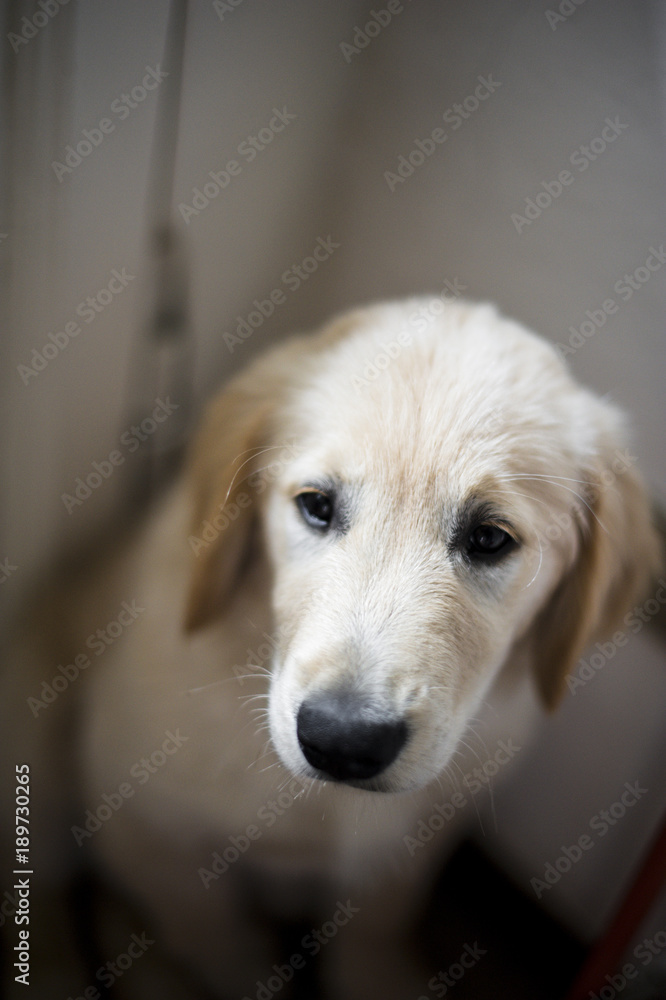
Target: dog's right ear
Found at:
x=227, y=450
x=235, y=440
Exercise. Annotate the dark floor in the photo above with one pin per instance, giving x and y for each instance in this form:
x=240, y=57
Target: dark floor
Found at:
x=482, y=937
x=527, y=954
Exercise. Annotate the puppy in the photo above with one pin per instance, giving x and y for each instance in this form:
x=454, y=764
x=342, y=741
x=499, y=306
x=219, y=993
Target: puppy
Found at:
x=384, y=529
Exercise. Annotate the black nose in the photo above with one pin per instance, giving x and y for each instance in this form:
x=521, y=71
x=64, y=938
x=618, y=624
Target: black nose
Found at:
x=340, y=735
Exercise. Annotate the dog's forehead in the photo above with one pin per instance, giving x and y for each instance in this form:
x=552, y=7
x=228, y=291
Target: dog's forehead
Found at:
x=475, y=396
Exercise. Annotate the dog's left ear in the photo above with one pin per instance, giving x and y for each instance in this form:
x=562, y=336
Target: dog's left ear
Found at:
x=239, y=432
x=620, y=552
x=226, y=452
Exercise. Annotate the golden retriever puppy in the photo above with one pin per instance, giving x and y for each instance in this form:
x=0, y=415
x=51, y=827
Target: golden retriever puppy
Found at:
x=384, y=528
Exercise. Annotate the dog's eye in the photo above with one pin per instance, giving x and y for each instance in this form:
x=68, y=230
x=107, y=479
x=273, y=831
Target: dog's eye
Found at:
x=488, y=540
x=316, y=508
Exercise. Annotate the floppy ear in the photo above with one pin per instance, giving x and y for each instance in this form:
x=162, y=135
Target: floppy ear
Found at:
x=236, y=432
x=225, y=453
x=620, y=552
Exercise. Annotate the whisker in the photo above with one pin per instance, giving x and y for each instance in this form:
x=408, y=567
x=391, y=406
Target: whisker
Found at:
x=252, y=457
x=538, y=569
x=205, y=687
x=543, y=475
x=252, y=697
x=569, y=490
x=515, y=493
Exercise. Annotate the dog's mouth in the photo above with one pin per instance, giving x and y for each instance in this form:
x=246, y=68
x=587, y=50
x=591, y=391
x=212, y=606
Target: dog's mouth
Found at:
x=374, y=785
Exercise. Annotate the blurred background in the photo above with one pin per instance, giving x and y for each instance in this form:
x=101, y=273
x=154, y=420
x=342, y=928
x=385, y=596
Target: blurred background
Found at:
x=148, y=213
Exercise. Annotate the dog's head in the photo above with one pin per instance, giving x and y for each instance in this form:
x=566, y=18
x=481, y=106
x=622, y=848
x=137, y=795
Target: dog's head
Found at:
x=434, y=492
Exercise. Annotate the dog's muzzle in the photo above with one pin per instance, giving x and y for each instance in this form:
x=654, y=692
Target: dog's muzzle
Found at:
x=343, y=737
